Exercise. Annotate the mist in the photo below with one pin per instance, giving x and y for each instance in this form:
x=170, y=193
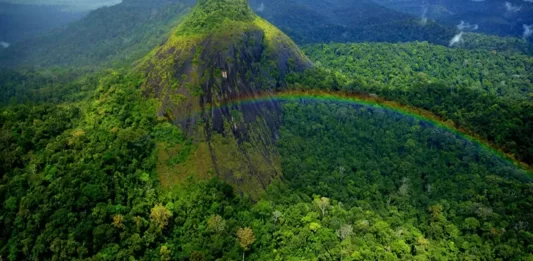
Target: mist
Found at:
x=465, y=26
x=457, y=39
x=424, y=18
x=512, y=8
x=528, y=31
x=261, y=8
x=67, y=5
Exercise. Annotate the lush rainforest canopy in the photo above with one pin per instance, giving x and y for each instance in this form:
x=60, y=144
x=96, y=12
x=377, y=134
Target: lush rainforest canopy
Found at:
x=279, y=130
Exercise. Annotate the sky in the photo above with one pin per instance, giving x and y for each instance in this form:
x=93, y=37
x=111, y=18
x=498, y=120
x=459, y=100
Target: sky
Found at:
x=74, y=5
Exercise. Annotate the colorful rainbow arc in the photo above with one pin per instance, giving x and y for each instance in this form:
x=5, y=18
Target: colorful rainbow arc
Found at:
x=369, y=101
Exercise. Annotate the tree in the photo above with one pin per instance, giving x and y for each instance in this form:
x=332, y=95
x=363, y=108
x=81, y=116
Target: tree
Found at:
x=197, y=256
x=216, y=223
x=344, y=231
x=164, y=252
x=160, y=215
x=246, y=239
x=118, y=221
x=323, y=204
x=276, y=215
x=404, y=188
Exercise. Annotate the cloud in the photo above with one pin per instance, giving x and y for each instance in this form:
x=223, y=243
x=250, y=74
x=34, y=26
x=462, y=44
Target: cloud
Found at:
x=528, y=31
x=261, y=8
x=73, y=5
x=467, y=26
x=512, y=8
x=463, y=26
x=424, y=17
x=4, y=44
x=457, y=39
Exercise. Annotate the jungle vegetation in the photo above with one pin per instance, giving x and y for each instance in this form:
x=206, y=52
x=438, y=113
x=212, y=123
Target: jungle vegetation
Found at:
x=82, y=176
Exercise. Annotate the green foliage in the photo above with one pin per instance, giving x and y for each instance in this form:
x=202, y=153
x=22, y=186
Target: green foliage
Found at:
x=488, y=93
x=494, y=43
x=50, y=86
x=360, y=184
x=321, y=21
x=403, y=66
x=403, y=184
x=78, y=155
x=211, y=15
x=85, y=164
x=111, y=36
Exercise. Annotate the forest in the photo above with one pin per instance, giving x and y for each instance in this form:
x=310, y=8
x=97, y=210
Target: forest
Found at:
x=147, y=134
x=484, y=91
x=397, y=192
x=111, y=36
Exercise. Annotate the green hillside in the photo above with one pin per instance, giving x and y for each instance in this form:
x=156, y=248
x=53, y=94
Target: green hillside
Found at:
x=82, y=180
x=220, y=52
x=322, y=21
x=217, y=138
x=116, y=35
x=483, y=91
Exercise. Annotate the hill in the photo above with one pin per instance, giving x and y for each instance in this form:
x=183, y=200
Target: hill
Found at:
x=211, y=147
x=323, y=21
x=119, y=34
x=19, y=22
x=82, y=179
x=503, y=18
x=222, y=51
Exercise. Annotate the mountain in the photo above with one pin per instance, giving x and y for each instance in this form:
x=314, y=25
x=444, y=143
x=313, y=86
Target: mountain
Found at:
x=220, y=52
x=352, y=158
x=121, y=34
x=118, y=34
x=20, y=22
x=503, y=18
x=324, y=21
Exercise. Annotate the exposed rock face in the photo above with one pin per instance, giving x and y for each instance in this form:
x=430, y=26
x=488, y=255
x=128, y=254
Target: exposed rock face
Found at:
x=213, y=60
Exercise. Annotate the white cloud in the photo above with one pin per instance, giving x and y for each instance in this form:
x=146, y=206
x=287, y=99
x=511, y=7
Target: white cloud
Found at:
x=528, y=31
x=424, y=17
x=4, y=44
x=512, y=8
x=467, y=26
x=458, y=38
x=78, y=5
x=261, y=8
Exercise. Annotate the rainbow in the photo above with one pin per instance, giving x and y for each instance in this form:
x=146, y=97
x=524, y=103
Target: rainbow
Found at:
x=371, y=101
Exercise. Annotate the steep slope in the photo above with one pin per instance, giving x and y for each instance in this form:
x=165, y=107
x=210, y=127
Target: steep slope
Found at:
x=220, y=52
x=118, y=34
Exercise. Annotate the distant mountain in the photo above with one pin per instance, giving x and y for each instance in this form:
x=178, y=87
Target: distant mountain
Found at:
x=125, y=32
x=504, y=18
x=20, y=22
x=121, y=34
x=322, y=21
